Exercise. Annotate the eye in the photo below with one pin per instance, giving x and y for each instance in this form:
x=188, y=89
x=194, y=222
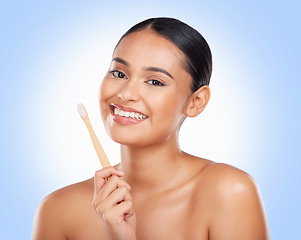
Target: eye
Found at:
x=118, y=74
x=155, y=82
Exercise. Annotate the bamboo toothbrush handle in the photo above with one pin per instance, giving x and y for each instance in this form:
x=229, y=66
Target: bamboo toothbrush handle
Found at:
x=99, y=150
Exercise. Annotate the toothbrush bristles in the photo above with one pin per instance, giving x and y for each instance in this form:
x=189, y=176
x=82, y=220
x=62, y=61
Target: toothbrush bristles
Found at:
x=81, y=110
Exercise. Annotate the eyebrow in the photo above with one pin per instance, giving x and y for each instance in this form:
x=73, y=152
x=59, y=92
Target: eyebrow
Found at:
x=117, y=59
x=156, y=69
x=150, y=69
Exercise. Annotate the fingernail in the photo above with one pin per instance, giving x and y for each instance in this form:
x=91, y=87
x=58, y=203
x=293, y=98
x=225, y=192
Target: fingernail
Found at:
x=120, y=172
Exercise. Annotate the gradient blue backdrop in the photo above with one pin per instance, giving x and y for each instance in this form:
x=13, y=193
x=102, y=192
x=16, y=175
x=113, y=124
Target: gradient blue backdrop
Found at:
x=54, y=54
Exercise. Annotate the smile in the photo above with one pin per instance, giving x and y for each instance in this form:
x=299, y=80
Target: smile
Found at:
x=126, y=115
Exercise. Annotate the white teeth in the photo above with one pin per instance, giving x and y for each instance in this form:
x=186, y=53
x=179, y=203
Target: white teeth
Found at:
x=122, y=113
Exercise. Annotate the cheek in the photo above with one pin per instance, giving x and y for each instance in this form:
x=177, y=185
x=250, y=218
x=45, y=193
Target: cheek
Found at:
x=167, y=109
x=105, y=92
x=103, y=89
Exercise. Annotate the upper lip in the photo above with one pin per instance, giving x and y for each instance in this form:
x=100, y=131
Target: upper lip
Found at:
x=124, y=108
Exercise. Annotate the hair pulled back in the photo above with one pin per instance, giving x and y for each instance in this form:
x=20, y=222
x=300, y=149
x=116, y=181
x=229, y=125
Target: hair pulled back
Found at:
x=195, y=48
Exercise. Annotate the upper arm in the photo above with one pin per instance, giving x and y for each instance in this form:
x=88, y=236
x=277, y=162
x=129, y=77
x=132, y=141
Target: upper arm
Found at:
x=48, y=220
x=237, y=211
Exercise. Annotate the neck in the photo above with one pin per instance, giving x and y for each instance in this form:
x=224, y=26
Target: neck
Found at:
x=146, y=168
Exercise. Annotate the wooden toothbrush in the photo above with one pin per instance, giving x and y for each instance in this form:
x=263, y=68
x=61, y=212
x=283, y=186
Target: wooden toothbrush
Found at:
x=99, y=150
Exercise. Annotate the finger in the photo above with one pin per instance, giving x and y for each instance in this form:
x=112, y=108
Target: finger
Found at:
x=101, y=176
x=125, y=209
x=111, y=203
x=116, y=197
x=109, y=187
x=108, y=205
x=117, y=213
x=128, y=207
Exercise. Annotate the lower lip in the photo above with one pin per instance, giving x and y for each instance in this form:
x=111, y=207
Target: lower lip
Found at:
x=126, y=120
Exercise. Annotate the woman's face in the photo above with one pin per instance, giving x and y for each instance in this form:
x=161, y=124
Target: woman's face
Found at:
x=143, y=96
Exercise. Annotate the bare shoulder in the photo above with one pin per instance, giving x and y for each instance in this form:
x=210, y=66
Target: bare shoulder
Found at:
x=218, y=173
x=68, y=196
x=222, y=181
x=227, y=185
x=75, y=190
x=226, y=179
x=234, y=209
x=60, y=209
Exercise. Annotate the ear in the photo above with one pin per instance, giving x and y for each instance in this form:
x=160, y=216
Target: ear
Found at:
x=198, y=101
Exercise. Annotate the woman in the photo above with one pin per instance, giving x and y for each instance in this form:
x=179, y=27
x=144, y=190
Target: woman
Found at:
x=159, y=75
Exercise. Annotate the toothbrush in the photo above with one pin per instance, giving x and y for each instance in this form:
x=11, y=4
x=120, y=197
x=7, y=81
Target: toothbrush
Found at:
x=99, y=150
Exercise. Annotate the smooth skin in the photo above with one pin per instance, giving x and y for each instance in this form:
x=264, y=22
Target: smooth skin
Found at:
x=157, y=191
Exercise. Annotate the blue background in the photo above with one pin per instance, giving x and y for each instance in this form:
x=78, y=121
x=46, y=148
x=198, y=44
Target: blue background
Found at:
x=55, y=53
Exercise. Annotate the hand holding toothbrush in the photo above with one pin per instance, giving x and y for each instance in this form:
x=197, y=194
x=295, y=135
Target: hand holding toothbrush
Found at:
x=113, y=203
x=112, y=199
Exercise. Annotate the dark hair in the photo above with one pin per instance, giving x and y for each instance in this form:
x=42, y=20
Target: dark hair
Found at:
x=195, y=48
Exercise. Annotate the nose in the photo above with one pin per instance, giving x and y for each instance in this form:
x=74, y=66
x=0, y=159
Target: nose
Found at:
x=129, y=91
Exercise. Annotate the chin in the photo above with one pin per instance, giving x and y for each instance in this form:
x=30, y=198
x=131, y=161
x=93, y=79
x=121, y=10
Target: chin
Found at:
x=138, y=139
x=128, y=141
x=127, y=136
x=136, y=135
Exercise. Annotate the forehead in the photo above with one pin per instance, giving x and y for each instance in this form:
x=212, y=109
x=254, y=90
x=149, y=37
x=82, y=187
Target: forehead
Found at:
x=146, y=48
